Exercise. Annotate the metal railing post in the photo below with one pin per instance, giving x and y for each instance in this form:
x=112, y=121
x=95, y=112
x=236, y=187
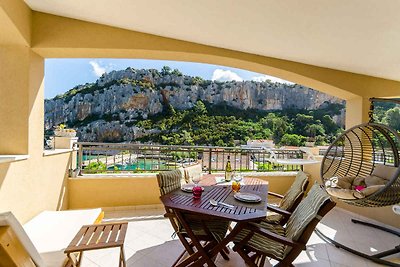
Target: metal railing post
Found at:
x=209, y=160
x=80, y=158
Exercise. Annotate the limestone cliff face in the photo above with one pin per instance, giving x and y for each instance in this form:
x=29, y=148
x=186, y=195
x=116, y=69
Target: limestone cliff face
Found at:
x=108, y=109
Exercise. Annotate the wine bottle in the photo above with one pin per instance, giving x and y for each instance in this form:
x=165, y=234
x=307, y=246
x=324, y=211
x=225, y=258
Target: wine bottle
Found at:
x=228, y=170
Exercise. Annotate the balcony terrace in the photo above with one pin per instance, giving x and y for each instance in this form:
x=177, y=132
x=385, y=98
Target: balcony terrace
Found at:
x=346, y=50
x=149, y=242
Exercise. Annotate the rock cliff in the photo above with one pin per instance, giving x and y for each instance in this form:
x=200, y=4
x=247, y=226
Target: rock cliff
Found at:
x=108, y=109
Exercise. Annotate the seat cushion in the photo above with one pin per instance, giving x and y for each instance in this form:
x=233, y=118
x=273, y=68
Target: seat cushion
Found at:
x=261, y=243
x=217, y=228
x=273, y=217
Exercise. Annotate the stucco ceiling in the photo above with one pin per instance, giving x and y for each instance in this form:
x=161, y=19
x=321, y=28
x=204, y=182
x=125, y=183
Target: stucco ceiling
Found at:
x=360, y=36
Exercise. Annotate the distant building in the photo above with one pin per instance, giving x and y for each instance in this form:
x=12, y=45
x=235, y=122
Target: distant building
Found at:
x=260, y=143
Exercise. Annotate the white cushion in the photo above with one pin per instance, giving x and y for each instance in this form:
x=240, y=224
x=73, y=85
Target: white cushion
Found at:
x=341, y=193
x=54, y=230
x=374, y=180
x=8, y=219
x=384, y=171
x=47, y=235
x=368, y=191
x=194, y=171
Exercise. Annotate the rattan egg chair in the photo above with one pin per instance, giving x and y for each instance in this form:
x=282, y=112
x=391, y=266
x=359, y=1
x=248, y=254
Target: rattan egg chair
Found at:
x=361, y=168
x=365, y=153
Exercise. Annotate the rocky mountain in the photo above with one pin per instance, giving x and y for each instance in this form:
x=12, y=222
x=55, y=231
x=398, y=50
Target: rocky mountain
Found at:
x=109, y=108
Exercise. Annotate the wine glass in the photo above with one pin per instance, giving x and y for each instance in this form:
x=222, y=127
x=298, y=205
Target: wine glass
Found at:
x=196, y=179
x=197, y=190
x=238, y=176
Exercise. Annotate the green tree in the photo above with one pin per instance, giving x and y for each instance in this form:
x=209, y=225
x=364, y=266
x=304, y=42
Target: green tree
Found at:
x=187, y=138
x=329, y=124
x=278, y=125
x=313, y=130
x=176, y=72
x=197, y=80
x=200, y=108
x=171, y=110
x=96, y=166
x=166, y=70
x=392, y=118
x=292, y=140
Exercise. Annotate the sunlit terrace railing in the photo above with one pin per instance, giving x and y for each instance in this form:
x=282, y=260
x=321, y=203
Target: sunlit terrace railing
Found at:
x=134, y=158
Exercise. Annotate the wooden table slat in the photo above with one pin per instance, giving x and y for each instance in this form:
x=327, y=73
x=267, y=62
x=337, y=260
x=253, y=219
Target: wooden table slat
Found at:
x=78, y=236
x=106, y=234
x=122, y=233
x=114, y=234
x=97, y=232
x=87, y=236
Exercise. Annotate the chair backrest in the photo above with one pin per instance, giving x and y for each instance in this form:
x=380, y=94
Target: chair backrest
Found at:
x=194, y=171
x=295, y=193
x=8, y=219
x=169, y=180
x=311, y=210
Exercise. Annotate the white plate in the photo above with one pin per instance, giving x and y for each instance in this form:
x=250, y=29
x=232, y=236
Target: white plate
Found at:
x=247, y=197
x=189, y=188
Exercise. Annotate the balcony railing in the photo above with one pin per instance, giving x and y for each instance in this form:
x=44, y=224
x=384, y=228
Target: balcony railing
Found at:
x=134, y=158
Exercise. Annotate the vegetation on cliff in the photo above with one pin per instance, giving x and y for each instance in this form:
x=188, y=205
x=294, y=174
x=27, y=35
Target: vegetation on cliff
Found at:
x=222, y=125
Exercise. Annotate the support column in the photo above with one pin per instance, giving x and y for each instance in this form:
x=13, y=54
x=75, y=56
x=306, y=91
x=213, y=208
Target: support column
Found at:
x=14, y=99
x=356, y=111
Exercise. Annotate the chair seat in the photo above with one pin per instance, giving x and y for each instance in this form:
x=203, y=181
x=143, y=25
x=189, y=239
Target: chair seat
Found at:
x=263, y=244
x=273, y=217
x=217, y=228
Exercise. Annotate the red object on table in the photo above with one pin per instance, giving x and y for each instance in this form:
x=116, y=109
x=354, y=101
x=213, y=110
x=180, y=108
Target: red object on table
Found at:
x=197, y=191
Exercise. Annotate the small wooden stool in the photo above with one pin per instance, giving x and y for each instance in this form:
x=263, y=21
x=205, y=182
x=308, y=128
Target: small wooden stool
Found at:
x=98, y=236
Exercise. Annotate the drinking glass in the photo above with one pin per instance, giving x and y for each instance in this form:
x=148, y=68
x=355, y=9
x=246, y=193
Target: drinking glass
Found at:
x=237, y=177
x=197, y=190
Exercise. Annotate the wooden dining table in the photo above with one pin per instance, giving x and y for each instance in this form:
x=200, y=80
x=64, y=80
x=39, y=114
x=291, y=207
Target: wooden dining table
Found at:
x=183, y=204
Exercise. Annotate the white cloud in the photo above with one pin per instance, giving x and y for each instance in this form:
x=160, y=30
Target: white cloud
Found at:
x=263, y=78
x=97, y=69
x=225, y=75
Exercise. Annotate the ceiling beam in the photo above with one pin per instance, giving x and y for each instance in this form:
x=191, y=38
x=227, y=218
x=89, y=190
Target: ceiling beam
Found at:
x=60, y=37
x=15, y=23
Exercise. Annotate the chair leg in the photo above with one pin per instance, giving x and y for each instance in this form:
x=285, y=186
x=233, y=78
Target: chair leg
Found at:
x=283, y=264
x=262, y=260
x=224, y=255
x=226, y=250
x=179, y=258
x=245, y=257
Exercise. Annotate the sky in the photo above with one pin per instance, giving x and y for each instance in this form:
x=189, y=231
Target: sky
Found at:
x=64, y=74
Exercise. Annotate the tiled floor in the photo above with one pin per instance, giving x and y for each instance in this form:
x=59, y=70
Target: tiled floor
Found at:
x=148, y=242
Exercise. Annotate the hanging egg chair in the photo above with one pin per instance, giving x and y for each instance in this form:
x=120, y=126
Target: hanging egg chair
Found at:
x=361, y=167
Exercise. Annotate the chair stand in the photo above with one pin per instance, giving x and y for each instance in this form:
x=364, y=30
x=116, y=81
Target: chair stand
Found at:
x=374, y=257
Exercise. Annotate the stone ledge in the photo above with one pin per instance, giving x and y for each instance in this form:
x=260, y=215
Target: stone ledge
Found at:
x=56, y=152
x=12, y=158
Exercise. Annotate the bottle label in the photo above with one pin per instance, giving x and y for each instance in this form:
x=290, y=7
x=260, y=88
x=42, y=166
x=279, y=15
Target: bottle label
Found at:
x=228, y=176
